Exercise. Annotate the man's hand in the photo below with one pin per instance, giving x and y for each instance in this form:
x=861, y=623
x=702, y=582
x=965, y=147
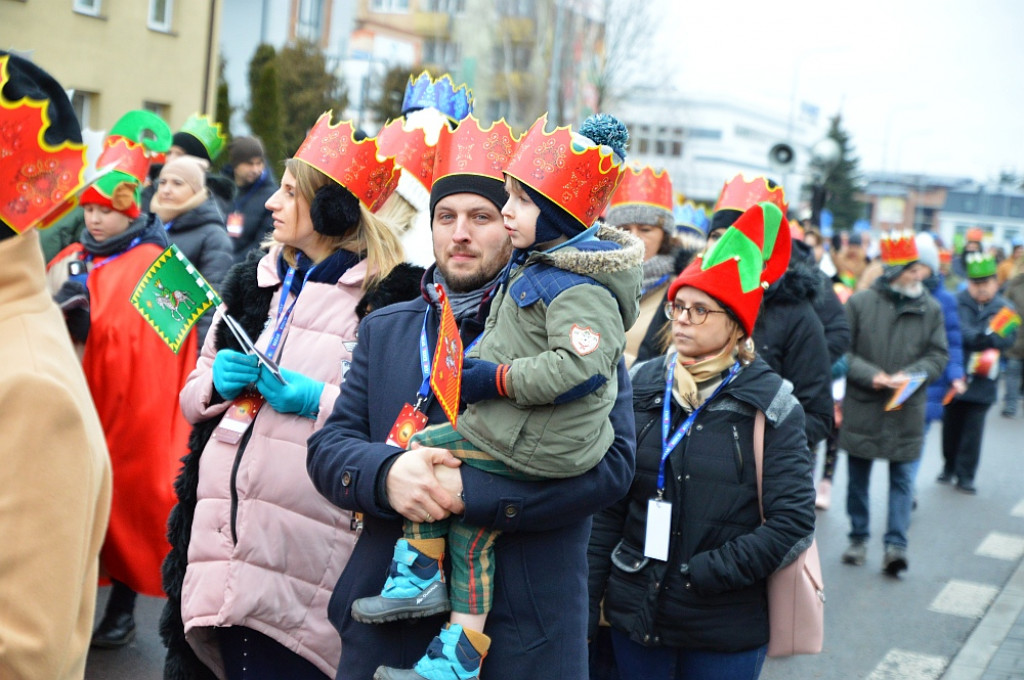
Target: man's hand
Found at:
x=881, y=380
x=414, y=491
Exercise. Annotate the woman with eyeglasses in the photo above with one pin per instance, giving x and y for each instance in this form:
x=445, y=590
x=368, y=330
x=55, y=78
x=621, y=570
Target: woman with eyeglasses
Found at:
x=681, y=562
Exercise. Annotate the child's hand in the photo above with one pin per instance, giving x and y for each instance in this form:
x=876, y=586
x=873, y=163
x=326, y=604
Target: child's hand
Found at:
x=482, y=380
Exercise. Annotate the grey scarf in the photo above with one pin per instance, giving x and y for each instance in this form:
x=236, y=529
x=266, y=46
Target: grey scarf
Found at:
x=464, y=305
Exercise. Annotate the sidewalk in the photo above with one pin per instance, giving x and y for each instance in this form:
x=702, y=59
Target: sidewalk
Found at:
x=995, y=650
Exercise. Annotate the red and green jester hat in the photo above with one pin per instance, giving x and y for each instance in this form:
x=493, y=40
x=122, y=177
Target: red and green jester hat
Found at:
x=751, y=255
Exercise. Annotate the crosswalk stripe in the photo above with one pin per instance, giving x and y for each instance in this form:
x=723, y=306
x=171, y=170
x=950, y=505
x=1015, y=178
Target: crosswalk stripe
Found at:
x=1002, y=546
x=964, y=598
x=901, y=664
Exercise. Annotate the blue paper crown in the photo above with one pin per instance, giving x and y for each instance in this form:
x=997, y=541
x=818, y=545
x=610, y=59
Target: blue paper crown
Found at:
x=426, y=93
x=689, y=216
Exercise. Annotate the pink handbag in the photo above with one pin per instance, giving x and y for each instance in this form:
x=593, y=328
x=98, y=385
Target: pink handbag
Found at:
x=796, y=592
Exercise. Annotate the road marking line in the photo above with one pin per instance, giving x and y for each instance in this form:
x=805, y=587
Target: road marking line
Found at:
x=963, y=598
x=900, y=664
x=1018, y=510
x=1009, y=547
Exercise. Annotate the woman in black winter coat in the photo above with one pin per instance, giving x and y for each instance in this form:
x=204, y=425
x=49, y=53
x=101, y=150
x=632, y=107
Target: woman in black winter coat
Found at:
x=681, y=562
x=194, y=223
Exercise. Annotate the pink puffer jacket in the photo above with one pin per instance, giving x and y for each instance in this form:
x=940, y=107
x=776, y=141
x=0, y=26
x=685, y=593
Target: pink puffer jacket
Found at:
x=291, y=542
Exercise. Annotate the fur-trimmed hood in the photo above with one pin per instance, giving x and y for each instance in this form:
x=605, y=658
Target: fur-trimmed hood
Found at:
x=797, y=284
x=614, y=259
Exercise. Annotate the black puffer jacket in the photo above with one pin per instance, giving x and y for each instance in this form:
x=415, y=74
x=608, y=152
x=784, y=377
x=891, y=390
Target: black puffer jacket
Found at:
x=202, y=236
x=789, y=336
x=827, y=305
x=720, y=605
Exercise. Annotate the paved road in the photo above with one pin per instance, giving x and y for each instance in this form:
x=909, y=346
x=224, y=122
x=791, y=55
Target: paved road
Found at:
x=963, y=551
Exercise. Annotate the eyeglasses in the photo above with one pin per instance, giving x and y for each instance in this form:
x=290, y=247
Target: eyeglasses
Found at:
x=697, y=314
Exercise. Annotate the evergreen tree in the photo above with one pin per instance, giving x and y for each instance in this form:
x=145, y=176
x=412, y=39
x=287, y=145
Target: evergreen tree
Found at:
x=265, y=116
x=388, y=105
x=263, y=55
x=224, y=109
x=841, y=181
x=309, y=88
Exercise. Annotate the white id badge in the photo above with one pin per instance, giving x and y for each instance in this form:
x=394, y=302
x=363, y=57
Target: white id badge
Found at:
x=659, y=528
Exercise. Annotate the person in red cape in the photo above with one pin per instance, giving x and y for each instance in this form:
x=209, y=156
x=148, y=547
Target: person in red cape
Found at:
x=134, y=378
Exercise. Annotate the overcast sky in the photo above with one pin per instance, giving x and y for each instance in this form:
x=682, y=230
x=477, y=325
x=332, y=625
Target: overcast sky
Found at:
x=923, y=86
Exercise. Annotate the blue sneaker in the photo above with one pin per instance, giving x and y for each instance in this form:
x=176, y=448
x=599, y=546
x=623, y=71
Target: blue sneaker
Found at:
x=415, y=588
x=450, y=656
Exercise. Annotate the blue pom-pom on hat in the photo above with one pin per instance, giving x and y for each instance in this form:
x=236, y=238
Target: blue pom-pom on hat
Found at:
x=607, y=130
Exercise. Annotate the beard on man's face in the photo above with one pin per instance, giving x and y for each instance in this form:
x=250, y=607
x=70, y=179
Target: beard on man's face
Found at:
x=467, y=282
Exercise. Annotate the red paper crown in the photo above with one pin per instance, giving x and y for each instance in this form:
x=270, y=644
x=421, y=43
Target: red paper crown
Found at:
x=411, y=150
x=736, y=270
x=578, y=176
x=645, y=186
x=472, y=150
x=334, y=151
x=898, y=248
x=38, y=182
x=739, y=194
x=129, y=156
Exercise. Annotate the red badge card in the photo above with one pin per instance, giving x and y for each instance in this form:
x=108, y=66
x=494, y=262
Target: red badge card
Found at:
x=409, y=422
x=446, y=372
x=238, y=417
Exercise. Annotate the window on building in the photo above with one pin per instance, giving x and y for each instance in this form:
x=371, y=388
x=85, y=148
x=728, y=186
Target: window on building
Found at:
x=161, y=14
x=159, y=108
x=82, y=102
x=446, y=6
x=704, y=133
x=310, y=25
x=517, y=8
x=87, y=7
x=393, y=6
x=441, y=52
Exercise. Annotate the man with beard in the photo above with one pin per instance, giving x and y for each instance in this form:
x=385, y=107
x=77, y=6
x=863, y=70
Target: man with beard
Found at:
x=897, y=331
x=539, y=618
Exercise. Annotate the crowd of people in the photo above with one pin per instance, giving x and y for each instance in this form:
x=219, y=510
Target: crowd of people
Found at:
x=502, y=419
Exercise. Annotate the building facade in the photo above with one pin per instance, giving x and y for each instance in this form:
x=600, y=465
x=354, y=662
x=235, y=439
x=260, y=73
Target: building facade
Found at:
x=703, y=141
x=502, y=49
x=250, y=23
x=119, y=55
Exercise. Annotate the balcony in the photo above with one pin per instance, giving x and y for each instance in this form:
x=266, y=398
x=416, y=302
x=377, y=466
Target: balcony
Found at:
x=518, y=29
x=432, y=24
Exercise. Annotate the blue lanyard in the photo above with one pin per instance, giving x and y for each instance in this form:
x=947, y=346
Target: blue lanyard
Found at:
x=282, y=315
x=107, y=260
x=670, y=443
x=167, y=225
x=647, y=289
x=425, y=361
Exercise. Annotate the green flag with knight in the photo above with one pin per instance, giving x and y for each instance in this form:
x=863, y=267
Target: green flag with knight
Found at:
x=172, y=295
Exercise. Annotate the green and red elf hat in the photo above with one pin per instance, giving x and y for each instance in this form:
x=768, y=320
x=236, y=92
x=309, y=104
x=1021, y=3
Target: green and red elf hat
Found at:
x=751, y=255
x=132, y=141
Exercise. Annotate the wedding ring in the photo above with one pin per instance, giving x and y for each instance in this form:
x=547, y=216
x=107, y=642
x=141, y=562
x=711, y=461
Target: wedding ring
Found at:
x=429, y=518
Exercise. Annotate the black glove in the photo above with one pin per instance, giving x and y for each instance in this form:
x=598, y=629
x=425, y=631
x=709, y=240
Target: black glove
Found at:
x=482, y=380
x=73, y=300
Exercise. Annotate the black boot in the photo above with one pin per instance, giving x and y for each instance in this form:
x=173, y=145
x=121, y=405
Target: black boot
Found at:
x=117, y=628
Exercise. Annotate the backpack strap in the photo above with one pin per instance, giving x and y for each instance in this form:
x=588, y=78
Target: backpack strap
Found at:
x=759, y=421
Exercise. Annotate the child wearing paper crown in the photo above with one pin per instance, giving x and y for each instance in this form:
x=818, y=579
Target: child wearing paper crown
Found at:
x=540, y=383
x=133, y=376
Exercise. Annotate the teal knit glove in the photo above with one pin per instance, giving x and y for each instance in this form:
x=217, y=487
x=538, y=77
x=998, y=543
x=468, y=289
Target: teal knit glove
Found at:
x=300, y=395
x=233, y=371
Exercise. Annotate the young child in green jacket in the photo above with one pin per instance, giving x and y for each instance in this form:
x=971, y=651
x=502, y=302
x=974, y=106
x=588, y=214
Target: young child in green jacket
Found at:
x=539, y=384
